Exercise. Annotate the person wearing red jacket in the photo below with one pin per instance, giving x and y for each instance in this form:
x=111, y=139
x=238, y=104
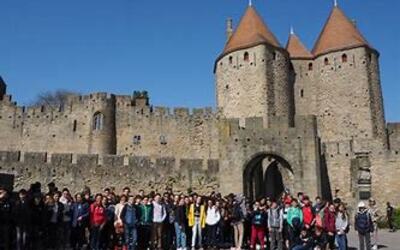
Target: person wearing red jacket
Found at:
x=308, y=213
x=330, y=224
x=98, y=219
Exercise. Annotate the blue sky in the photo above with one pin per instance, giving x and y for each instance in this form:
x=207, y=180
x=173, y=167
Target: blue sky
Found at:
x=165, y=47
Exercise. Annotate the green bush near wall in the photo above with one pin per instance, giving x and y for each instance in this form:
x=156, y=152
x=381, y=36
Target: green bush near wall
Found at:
x=383, y=223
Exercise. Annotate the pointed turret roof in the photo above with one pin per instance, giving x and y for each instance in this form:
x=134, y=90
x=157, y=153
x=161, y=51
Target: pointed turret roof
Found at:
x=251, y=31
x=338, y=33
x=296, y=48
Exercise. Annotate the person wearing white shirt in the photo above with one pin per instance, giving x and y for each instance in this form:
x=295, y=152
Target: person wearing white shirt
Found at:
x=212, y=218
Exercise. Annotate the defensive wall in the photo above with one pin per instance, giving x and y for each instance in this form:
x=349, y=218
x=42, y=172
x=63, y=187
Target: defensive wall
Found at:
x=99, y=171
x=129, y=126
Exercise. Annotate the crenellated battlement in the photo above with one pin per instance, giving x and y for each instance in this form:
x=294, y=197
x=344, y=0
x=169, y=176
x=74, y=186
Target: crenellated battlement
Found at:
x=108, y=160
x=99, y=171
x=305, y=126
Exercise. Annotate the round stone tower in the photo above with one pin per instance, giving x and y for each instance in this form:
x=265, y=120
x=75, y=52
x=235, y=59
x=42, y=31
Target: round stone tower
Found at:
x=252, y=73
x=349, y=95
x=102, y=121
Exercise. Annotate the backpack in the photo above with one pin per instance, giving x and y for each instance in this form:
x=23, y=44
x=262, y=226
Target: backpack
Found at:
x=364, y=223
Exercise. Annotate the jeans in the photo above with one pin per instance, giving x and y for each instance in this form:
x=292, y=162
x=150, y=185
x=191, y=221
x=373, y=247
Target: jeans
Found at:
x=341, y=240
x=95, y=238
x=130, y=236
x=22, y=237
x=374, y=235
x=180, y=236
x=196, y=229
x=365, y=241
x=276, y=239
x=78, y=237
x=212, y=235
x=65, y=234
x=157, y=234
x=145, y=236
x=238, y=234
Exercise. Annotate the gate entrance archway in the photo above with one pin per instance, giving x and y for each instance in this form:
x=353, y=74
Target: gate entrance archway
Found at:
x=267, y=175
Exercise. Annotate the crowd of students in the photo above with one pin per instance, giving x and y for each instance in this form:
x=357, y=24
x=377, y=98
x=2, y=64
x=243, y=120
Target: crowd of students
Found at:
x=130, y=220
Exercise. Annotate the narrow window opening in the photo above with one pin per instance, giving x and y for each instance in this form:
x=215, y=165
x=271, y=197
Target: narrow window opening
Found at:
x=344, y=58
x=326, y=61
x=246, y=57
x=98, y=121
x=302, y=93
x=230, y=60
x=75, y=125
x=310, y=67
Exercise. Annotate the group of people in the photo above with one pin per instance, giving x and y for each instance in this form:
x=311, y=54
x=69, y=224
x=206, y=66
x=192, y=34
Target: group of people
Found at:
x=135, y=220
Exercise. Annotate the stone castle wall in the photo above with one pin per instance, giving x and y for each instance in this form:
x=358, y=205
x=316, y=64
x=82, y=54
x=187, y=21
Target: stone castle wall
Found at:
x=298, y=146
x=394, y=135
x=305, y=90
x=255, y=87
x=357, y=166
x=66, y=129
x=78, y=170
x=180, y=133
x=70, y=129
x=344, y=94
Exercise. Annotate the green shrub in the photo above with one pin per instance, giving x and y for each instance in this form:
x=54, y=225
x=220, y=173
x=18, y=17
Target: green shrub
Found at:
x=397, y=218
x=383, y=223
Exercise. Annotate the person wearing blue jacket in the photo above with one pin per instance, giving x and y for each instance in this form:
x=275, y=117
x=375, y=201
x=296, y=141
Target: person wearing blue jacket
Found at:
x=130, y=219
x=79, y=220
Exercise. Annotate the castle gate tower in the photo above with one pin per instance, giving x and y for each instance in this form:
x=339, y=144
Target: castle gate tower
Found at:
x=252, y=73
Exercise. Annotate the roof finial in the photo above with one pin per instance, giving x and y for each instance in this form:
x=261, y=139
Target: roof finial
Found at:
x=250, y=2
x=291, y=30
x=335, y=2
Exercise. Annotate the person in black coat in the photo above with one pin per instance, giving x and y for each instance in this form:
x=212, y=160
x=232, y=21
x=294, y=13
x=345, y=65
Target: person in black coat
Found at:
x=5, y=219
x=38, y=221
x=54, y=215
x=22, y=218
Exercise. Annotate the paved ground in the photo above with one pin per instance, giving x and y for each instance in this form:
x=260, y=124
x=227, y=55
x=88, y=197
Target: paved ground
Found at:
x=387, y=241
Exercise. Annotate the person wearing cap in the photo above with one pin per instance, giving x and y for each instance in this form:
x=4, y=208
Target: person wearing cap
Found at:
x=364, y=226
x=375, y=214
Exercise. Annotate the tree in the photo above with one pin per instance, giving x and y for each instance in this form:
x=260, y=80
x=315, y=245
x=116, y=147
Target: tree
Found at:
x=53, y=100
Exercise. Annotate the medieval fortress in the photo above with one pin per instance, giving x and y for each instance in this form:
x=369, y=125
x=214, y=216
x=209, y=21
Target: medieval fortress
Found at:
x=286, y=117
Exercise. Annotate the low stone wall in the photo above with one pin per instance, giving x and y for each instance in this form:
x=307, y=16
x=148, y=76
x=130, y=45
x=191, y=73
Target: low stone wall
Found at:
x=97, y=172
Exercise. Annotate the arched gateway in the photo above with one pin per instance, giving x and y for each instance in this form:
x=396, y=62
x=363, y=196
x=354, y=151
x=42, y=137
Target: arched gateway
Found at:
x=267, y=175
